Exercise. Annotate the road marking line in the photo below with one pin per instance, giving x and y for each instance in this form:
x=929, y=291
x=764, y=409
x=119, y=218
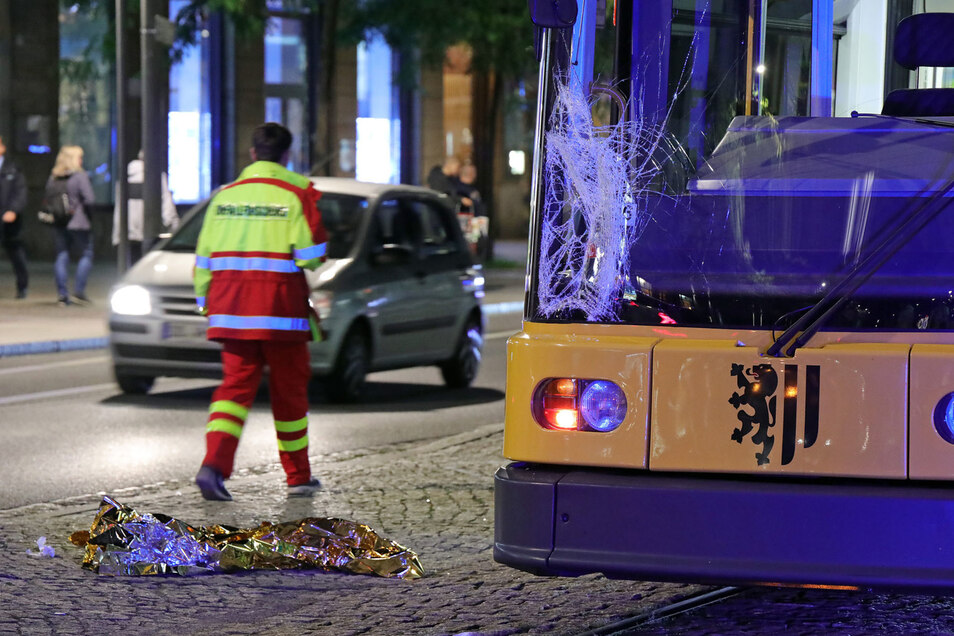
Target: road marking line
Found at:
x=513, y=307
x=499, y=334
x=26, y=397
x=51, y=365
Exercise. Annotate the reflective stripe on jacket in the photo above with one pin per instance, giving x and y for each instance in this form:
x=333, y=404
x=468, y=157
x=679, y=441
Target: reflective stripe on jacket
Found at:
x=258, y=234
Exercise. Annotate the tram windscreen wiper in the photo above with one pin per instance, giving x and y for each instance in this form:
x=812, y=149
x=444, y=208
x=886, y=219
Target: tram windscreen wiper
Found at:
x=816, y=317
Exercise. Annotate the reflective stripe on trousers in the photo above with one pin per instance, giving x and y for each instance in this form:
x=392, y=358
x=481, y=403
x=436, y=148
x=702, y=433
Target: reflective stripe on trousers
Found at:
x=243, y=362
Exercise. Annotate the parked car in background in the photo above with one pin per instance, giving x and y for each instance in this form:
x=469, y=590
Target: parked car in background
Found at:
x=399, y=289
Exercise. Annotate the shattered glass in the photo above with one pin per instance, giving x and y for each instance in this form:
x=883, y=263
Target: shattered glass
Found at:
x=711, y=217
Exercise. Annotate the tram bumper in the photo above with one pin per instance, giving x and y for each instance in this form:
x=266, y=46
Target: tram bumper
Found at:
x=724, y=530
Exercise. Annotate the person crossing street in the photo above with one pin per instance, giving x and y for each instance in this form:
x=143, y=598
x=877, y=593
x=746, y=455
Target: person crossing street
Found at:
x=257, y=235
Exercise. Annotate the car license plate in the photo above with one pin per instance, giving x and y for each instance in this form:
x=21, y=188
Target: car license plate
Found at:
x=183, y=330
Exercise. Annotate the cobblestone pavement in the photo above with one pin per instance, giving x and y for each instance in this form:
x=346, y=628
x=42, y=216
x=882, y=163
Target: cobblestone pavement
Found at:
x=435, y=497
x=806, y=612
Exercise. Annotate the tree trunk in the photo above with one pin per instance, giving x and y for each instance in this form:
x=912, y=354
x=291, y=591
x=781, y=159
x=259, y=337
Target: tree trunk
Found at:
x=327, y=102
x=488, y=94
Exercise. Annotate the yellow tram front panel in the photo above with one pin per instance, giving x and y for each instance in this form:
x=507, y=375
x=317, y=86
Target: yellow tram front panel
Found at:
x=594, y=352
x=932, y=384
x=835, y=410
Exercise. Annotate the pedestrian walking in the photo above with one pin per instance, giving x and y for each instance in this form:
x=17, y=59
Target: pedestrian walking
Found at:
x=257, y=235
x=135, y=175
x=13, y=193
x=74, y=235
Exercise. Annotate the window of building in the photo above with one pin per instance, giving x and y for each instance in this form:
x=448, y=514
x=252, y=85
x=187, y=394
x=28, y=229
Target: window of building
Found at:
x=287, y=78
x=190, y=120
x=378, y=145
x=861, y=43
x=86, y=90
x=458, y=104
x=786, y=64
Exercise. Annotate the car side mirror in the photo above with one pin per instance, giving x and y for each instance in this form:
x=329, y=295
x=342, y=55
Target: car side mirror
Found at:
x=392, y=254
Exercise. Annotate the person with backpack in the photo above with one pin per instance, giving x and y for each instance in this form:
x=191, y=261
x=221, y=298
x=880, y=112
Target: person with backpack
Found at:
x=13, y=195
x=66, y=202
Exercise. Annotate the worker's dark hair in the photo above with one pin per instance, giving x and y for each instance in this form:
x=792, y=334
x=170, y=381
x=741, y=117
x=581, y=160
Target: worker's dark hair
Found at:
x=271, y=141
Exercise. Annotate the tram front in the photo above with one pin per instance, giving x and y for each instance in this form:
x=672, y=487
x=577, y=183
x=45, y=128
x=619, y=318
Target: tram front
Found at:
x=736, y=363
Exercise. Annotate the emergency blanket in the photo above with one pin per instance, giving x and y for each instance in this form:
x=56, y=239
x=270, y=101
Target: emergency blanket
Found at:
x=122, y=541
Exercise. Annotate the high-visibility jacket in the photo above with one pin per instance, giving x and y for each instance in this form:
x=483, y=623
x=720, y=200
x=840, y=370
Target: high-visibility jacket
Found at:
x=258, y=234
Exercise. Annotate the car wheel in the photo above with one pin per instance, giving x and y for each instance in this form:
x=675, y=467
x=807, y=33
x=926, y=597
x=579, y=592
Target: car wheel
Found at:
x=460, y=370
x=346, y=382
x=134, y=384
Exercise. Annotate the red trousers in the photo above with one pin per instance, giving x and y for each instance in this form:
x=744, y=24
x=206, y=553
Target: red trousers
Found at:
x=243, y=362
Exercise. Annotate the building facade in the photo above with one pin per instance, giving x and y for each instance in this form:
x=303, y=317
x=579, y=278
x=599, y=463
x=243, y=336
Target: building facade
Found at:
x=350, y=115
x=352, y=118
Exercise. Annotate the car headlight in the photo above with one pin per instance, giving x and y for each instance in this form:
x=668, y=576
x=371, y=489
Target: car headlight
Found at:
x=322, y=301
x=131, y=300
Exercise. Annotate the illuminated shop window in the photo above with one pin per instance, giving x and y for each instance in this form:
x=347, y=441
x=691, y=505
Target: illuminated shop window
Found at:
x=286, y=79
x=190, y=120
x=378, y=146
x=458, y=104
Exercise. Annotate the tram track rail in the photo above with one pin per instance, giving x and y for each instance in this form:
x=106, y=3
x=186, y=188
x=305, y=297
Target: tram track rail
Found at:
x=688, y=604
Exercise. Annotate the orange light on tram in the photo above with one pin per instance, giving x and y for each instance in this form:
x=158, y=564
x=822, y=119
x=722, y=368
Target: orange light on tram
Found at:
x=565, y=386
x=563, y=418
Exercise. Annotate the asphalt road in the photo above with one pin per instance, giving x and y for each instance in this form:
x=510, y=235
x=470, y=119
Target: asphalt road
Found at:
x=68, y=430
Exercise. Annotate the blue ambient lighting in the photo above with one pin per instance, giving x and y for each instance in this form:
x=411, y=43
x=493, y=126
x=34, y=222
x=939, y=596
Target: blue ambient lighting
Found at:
x=944, y=418
x=603, y=406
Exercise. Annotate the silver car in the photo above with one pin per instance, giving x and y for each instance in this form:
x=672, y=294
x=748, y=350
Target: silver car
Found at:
x=399, y=289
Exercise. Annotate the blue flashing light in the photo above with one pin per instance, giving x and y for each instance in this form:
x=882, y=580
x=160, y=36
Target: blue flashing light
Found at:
x=37, y=149
x=944, y=418
x=603, y=406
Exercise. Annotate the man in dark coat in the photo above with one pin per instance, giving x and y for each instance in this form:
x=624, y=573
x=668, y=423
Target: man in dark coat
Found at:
x=13, y=195
x=444, y=179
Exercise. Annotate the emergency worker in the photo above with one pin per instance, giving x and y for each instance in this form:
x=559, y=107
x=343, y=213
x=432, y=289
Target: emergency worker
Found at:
x=258, y=234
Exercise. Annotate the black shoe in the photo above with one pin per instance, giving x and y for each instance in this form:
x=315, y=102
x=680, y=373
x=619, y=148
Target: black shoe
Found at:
x=63, y=301
x=305, y=490
x=21, y=294
x=81, y=299
x=210, y=482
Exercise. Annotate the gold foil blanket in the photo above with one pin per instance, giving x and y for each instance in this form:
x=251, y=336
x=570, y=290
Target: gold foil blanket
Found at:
x=122, y=541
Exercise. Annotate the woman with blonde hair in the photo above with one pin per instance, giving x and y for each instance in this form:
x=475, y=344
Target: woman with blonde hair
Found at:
x=75, y=235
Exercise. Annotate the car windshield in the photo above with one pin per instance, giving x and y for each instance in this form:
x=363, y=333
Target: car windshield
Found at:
x=341, y=214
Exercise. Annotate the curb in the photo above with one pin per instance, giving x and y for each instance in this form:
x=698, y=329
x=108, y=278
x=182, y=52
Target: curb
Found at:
x=52, y=346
